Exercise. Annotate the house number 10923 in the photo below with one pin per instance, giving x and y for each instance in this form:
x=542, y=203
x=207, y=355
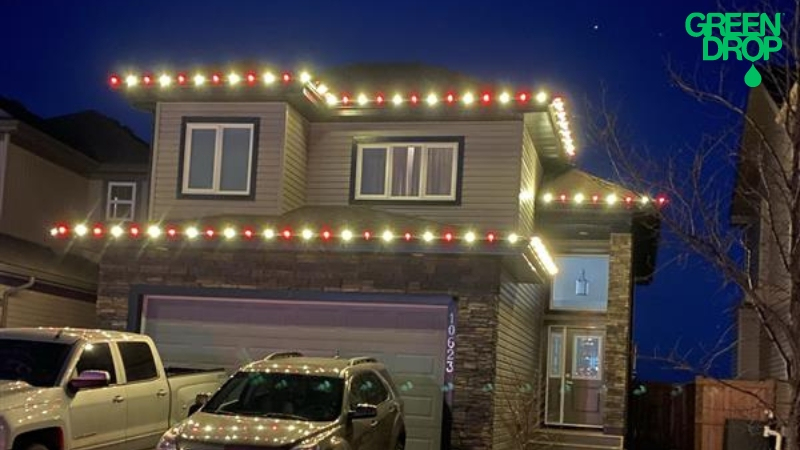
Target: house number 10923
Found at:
x=449, y=361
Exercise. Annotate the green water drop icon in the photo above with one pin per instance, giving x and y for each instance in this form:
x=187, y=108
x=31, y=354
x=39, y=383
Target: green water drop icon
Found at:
x=752, y=78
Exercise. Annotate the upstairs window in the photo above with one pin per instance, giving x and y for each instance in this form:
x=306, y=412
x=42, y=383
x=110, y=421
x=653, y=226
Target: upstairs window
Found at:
x=408, y=170
x=121, y=200
x=219, y=157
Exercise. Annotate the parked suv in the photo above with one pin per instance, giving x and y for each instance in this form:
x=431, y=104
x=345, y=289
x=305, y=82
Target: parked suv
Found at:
x=289, y=401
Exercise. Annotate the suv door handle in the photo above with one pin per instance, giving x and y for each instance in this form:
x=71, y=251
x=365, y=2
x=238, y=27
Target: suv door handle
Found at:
x=162, y=393
x=119, y=399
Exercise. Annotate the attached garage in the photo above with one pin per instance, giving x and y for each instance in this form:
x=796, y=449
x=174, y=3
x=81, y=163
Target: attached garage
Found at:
x=407, y=333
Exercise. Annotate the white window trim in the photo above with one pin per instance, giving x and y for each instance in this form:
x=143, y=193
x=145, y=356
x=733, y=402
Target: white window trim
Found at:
x=215, y=181
x=422, y=197
x=111, y=202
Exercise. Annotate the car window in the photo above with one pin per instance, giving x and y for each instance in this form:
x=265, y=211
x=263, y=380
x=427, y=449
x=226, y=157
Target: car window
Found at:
x=137, y=358
x=367, y=388
x=97, y=357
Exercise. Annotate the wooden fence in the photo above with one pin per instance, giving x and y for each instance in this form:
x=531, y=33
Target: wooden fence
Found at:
x=692, y=416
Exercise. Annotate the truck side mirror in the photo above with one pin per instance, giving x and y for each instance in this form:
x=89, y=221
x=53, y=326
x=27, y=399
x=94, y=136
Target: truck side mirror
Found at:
x=90, y=379
x=199, y=401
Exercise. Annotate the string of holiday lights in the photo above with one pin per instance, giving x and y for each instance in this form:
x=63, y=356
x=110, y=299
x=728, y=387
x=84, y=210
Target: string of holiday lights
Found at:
x=609, y=199
x=100, y=231
x=347, y=100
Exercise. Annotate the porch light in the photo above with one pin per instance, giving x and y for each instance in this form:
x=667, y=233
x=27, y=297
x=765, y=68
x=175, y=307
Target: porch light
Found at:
x=154, y=231
x=307, y=234
x=347, y=235
x=229, y=233
x=269, y=78
x=117, y=231
x=192, y=232
x=199, y=80
x=81, y=229
x=165, y=80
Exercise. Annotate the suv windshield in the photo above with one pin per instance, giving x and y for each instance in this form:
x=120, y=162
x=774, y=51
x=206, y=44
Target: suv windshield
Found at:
x=280, y=395
x=36, y=363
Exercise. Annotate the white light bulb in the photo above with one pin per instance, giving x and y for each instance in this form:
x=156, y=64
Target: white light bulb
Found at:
x=269, y=78
x=132, y=80
x=229, y=233
x=526, y=195
x=541, y=97
x=611, y=199
x=427, y=236
x=269, y=233
x=548, y=197
x=469, y=237
x=307, y=234
x=192, y=232
x=153, y=231
x=387, y=236
x=347, y=235
x=432, y=99
x=165, y=80
x=234, y=78
x=322, y=89
x=362, y=99
x=645, y=200
x=199, y=80
x=397, y=99
x=331, y=99
x=305, y=77
x=505, y=97
x=53, y=231
x=513, y=238
x=579, y=198
x=117, y=231
x=468, y=98
x=81, y=229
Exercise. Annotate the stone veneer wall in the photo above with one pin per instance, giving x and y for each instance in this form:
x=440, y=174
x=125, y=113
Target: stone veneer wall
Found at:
x=618, y=328
x=474, y=280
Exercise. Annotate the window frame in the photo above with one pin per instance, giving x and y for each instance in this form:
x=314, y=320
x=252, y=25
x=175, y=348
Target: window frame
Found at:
x=188, y=124
x=387, y=143
x=132, y=202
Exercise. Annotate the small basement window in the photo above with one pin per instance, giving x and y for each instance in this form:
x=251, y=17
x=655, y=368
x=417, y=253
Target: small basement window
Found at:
x=408, y=170
x=218, y=158
x=121, y=200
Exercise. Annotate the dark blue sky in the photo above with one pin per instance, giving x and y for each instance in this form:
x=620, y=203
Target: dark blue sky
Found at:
x=57, y=56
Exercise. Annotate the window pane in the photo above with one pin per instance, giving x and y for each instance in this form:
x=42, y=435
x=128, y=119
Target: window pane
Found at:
x=123, y=211
x=556, y=347
x=406, y=163
x=97, y=357
x=586, y=362
x=439, y=179
x=138, y=361
x=201, y=159
x=373, y=171
x=121, y=192
x=581, y=283
x=235, y=159
x=375, y=390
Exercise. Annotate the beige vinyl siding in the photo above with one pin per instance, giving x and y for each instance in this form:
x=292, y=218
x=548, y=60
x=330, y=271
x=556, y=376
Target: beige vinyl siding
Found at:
x=38, y=193
x=490, y=181
x=520, y=350
x=748, y=345
x=530, y=177
x=294, y=161
x=166, y=159
x=36, y=309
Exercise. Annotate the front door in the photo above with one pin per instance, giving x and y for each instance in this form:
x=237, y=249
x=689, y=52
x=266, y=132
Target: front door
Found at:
x=575, y=376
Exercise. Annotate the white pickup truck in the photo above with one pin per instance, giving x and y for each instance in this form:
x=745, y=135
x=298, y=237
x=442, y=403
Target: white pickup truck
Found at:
x=68, y=389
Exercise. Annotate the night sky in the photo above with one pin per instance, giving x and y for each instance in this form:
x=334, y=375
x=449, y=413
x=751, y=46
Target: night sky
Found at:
x=57, y=55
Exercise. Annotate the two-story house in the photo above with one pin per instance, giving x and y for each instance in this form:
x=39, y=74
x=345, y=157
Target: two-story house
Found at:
x=403, y=212
x=82, y=163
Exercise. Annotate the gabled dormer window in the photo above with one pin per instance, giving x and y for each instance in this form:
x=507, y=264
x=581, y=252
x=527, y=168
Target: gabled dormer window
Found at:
x=408, y=169
x=218, y=157
x=121, y=200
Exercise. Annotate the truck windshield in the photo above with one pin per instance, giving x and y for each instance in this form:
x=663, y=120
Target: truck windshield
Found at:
x=279, y=395
x=36, y=363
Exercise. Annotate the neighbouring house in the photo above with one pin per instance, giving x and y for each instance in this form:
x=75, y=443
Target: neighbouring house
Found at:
x=374, y=211
x=74, y=164
x=765, y=227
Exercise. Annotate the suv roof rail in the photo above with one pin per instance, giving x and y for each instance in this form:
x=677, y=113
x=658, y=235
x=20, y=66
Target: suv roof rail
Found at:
x=361, y=360
x=283, y=355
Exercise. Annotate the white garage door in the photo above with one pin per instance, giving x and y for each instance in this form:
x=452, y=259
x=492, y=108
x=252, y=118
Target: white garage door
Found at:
x=409, y=338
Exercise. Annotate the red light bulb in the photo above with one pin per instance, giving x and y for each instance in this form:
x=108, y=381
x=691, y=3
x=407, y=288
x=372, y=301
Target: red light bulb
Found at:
x=62, y=230
x=216, y=79
x=181, y=79
x=172, y=232
x=595, y=198
x=114, y=81
x=97, y=231
x=408, y=236
x=628, y=199
x=251, y=78
x=661, y=200
x=414, y=99
x=210, y=233
x=450, y=98
x=287, y=77
x=287, y=234
x=345, y=100
x=248, y=233
x=134, y=231
x=379, y=100
x=367, y=235
x=147, y=80
x=490, y=237
x=448, y=236
x=563, y=197
x=326, y=235
x=486, y=98
x=523, y=97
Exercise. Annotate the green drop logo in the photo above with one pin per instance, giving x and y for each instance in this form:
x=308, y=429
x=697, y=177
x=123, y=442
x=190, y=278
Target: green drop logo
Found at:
x=752, y=78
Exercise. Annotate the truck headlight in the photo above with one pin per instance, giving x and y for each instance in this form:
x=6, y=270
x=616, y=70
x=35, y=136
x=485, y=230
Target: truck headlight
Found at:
x=169, y=441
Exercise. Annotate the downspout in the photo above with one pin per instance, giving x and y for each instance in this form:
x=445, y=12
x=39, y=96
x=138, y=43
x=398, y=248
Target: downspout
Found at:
x=7, y=294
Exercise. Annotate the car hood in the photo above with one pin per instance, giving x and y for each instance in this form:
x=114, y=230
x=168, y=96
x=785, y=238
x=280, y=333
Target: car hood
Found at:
x=239, y=430
x=21, y=395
